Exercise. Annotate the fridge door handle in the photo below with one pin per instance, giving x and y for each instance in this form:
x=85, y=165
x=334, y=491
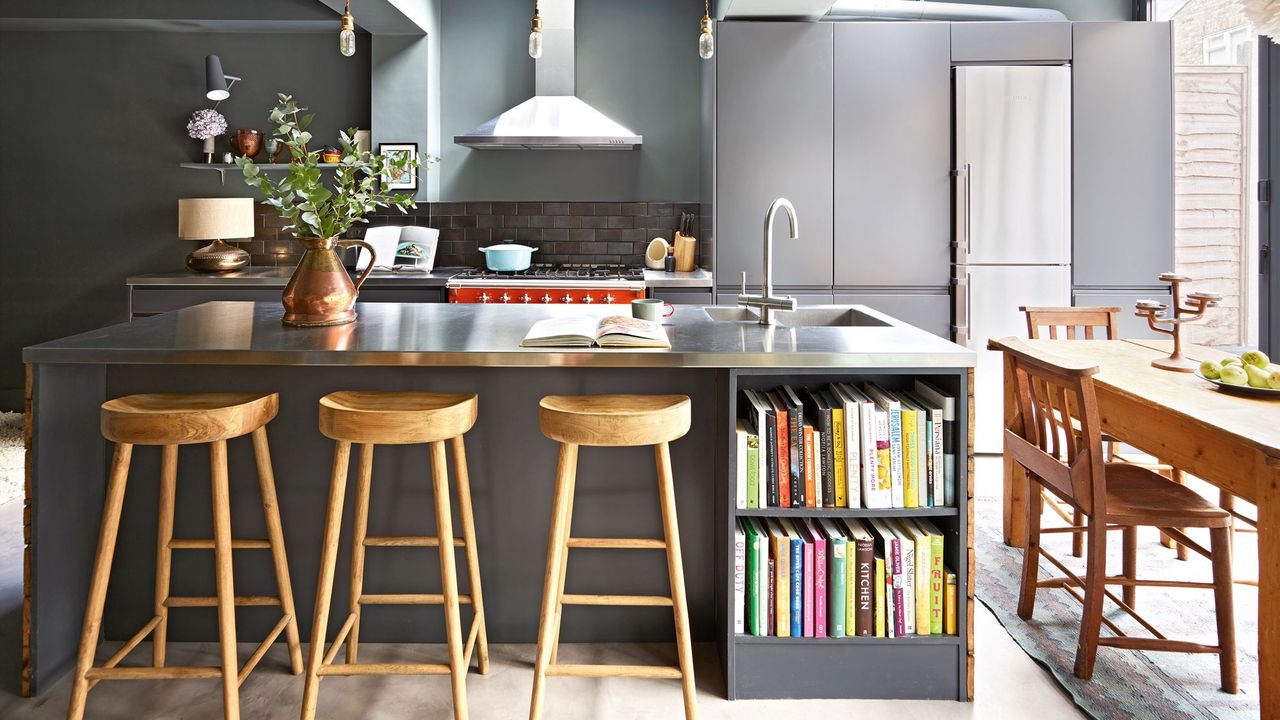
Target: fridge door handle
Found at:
x=962, y=310
x=963, y=203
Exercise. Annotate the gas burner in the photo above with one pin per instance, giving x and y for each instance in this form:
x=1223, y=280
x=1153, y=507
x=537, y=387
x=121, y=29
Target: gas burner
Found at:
x=546, y=284
x=571, y=271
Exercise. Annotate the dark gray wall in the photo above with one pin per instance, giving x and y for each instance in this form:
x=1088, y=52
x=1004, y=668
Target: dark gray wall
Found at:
x=637, y=63
x=94, y=126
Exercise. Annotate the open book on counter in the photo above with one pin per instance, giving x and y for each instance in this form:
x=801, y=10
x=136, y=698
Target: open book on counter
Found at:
x=584, y=331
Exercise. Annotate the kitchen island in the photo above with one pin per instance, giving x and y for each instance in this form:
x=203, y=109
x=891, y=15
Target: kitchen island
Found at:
x=470, y=348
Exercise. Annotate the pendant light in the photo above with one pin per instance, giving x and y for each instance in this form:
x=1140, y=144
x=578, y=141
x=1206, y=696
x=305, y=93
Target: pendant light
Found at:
x=706, y=41
x=535, y=33
x=347, y=38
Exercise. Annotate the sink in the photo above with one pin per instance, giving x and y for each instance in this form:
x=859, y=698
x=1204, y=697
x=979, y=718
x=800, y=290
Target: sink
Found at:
x=827, y=317
x=732, y=314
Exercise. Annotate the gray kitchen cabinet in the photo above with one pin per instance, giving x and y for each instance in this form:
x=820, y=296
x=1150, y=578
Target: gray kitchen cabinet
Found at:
x=1131, y=326
x=1122, y=120
x=726, y=295
x=774, y=139
x=1011, y=42
x=892, y=154
x=927, y=311
x=683, y=296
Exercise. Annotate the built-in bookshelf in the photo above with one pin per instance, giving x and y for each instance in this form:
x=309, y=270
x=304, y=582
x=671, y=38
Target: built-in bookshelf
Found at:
x=907, y=667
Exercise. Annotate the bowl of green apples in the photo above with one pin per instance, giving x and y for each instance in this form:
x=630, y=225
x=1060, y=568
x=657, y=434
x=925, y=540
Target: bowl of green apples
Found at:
x=1252, y=373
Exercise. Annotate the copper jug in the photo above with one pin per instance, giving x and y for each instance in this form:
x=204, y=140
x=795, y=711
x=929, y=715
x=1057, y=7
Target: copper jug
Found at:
x=320, y=291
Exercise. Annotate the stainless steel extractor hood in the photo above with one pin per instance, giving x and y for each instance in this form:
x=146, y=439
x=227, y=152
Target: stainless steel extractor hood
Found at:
x=554, y=118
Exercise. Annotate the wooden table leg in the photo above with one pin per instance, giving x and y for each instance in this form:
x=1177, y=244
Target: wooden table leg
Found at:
x=1268, y=501
x=1015, y=515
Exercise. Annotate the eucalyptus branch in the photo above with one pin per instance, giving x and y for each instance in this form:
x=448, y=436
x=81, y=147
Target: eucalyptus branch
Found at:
x=301, y=197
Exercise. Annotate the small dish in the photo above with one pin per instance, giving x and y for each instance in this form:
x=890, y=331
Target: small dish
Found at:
x=1245, y=390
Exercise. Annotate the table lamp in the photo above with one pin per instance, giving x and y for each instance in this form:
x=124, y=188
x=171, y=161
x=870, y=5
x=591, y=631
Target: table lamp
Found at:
x=216, y=219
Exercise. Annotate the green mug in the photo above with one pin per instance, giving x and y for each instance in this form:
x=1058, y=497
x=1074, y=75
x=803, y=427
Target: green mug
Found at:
x=651, y=309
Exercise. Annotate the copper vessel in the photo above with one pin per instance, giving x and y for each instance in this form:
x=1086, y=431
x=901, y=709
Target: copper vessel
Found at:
x=321, y=292
x=247, y=143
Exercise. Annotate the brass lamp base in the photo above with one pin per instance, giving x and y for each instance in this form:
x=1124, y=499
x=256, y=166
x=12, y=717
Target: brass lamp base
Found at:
x=217, y=256
x=1176, y=364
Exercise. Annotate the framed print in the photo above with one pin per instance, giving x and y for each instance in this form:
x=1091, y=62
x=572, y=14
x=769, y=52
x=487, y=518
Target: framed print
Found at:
x=402, y=181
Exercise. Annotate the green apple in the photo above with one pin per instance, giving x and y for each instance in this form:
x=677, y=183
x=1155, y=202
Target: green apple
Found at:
x=1210, y=369
x=1256, y=358
x=1257, y=376
x=1230, y=361
x=1234, y=375
x=1273, y=379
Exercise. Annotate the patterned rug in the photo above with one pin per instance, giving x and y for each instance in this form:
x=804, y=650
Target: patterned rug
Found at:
x=1127, y=683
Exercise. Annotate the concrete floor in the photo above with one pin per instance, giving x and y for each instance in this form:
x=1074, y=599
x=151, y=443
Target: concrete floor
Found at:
x=1008, y=684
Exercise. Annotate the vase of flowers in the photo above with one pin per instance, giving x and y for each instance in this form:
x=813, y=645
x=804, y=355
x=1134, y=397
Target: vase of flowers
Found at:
x=206, y=125
x=320, y=291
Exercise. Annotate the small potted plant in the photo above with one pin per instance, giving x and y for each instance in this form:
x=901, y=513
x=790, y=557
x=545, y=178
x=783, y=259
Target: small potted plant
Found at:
x=320, y=291
x=207, y=125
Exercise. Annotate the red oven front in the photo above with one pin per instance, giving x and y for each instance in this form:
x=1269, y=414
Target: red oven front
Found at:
x=545, y=295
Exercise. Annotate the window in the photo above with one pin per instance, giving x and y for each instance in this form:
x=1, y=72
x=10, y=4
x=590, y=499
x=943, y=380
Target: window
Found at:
x=1228, y=47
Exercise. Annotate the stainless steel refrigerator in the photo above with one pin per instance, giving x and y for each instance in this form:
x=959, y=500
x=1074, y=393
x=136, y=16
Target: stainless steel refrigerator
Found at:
x=1013, y=214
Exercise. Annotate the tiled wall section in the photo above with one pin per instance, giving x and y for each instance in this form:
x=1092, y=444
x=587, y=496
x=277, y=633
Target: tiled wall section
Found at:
x=564, y=232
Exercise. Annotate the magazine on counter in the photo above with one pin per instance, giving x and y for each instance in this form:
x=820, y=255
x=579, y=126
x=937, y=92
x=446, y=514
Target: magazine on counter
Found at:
x=584, y=331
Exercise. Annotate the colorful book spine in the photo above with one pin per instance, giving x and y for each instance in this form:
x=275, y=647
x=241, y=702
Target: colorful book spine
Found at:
x=881, y=607
x=781, y=579
x=883, y=464
x=740, y=464
x=837, y=580
x=771, y=604
x=898, y=582
x=811, y=496
x=929, y=467
x=864, y=555
x=808, y=582
x=753, y=578
x=839, y=458
x=936, y=582
x=910, y=453
x=950, y=605
x=798, y=585
x=739, y=579
x=820, y=580
x=785, y=485
x=753, y=470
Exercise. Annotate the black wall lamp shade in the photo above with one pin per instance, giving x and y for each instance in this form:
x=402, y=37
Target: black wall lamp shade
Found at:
x=215, y=81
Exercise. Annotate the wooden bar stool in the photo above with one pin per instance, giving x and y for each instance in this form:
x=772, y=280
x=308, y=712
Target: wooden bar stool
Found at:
x=613, y=421
x=397, y=418
x=170, y=420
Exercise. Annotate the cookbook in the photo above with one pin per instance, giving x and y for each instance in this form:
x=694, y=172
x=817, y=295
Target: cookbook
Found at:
x=585, y=331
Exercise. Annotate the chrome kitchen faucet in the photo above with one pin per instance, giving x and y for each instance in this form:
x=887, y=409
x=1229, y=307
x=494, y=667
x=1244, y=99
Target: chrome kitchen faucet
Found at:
x=765, y=300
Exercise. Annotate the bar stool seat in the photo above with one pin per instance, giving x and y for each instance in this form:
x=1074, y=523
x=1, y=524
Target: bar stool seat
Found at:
x=611, y=421
x=186, y=418
x=170, y=420
x=396, y=418
x=614, y=420
x=370, y=418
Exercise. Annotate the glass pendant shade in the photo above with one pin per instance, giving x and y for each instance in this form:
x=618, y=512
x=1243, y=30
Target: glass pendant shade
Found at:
x=706, y=41
x=535, y=44
x=347, y=43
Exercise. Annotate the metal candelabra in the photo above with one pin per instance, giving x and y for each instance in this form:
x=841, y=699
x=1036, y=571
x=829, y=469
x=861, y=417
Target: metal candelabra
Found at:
x=1156, y=315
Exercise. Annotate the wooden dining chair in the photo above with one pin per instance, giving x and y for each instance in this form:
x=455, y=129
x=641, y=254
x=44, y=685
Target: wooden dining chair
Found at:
x=1062, y=323
x=1065, y=458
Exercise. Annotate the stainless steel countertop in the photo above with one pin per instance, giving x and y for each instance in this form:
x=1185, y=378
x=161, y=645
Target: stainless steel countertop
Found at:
x=279, y=276
x=244, y=333
x=699, y=278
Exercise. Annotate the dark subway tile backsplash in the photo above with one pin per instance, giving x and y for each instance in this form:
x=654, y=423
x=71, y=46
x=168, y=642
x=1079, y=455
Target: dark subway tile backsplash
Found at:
x=564, y=232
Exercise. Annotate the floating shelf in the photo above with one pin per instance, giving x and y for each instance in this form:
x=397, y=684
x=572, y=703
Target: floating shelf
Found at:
x=222, y=168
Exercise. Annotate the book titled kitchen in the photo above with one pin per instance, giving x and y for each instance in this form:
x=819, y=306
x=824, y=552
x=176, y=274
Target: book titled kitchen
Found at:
x=585, y=331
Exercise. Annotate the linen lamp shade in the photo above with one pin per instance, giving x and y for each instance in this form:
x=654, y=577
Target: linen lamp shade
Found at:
x=216, y=219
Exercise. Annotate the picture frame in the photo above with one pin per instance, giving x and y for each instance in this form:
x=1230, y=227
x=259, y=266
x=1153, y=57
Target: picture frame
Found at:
x=406, y=181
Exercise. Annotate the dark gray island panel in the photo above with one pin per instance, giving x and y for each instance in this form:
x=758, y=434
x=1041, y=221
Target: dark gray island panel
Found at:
x=446, y=348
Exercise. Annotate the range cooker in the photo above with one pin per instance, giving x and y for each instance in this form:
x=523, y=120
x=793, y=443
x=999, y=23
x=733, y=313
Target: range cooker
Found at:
x=550, y=284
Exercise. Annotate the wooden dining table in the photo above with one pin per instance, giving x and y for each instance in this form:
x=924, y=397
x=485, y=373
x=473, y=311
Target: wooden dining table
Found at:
x=1228, y=440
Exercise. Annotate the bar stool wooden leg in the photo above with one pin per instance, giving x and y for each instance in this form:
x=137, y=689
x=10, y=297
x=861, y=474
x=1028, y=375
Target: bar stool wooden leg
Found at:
x=226, y=589
x=547, y=625
x=360, y=530
x=117, y=479
x=164, y=554
x=324, y=584
x=275, y=536
x=473, y=551
x=449, y=579
x=1129, y=567
x=1220, y=550
x=675, y=570
x=564, y=559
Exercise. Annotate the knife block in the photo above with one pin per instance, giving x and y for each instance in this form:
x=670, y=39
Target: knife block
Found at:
x=686, y=251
